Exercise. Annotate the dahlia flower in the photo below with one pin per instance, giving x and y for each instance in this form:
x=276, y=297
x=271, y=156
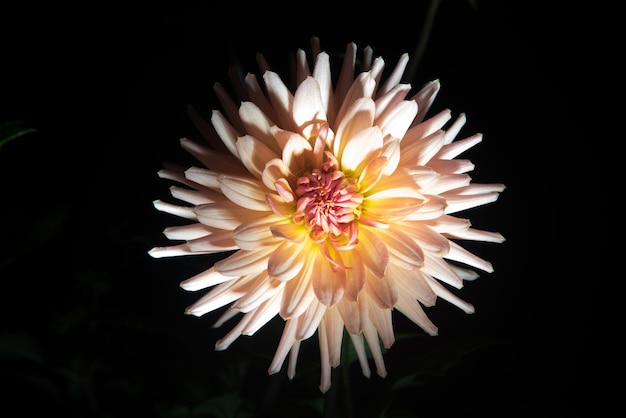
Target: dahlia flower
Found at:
x=335, y=200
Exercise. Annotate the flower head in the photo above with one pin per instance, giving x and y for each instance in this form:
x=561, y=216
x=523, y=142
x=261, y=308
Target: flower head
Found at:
x=336, y=199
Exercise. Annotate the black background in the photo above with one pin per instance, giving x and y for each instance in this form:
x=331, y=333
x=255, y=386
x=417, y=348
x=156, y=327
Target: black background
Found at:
x=92, y=326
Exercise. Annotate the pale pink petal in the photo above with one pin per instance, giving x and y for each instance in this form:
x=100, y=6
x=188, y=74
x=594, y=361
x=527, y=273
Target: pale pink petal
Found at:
x=422, y=151
x=310, y=320
x=275, y=169
x=327, y=284
x=359, y=348
x=447, y=295
x=476, y=235
x=427, y=128
x=289, y=231
x=187, y=232
x=396, y=75
x=219, y=296
x=446, y=182
x=217, y=242
x=360, y=148
x=372, y=172
x=262, y=315
x=293, y=359
x=397, y=120
x=359, y=116
x=334, y=327
x=245, y=262
x=287, y=340
x=353, y=314
x=371, y=336
x=263, y=288
x=441, y=270
x=224, y=215
x=460, y=254
x=170, y=251
x=225, y=342
x=383, y=292
x=433, y=208
x=321, y=74
x=296, y=152
x=287, y=260
x=177, y=210
x=451, y=166
x=459, y=202
x=415, y=284
x=325, y=380
x=205, y=279
x=425, y=98
x=403, y=250
x=257, y=233
x=355, y=273
x=204, y=177
x=308, y=107
x=245, y=192
x=411, y=309
x=281, y=99
x=450, y=151
x=298, y=293
x=226, y=132
x=258, y=125
x=391, y=150
x=257, y=96
x=382, y=321
x=196, y=197
x=427, y=238
x=373, y=252
x=453, y=130
x=302, y=66
x=254, y=155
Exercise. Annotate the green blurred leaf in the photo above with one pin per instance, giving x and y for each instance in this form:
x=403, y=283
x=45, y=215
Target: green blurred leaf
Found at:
x=20, y=347
x=13, y=129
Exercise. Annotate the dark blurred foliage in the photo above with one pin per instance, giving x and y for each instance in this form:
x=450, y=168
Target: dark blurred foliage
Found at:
x=93, y=101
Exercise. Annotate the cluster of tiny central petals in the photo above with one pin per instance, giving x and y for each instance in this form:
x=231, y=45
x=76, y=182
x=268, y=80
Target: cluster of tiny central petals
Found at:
x=329, y=206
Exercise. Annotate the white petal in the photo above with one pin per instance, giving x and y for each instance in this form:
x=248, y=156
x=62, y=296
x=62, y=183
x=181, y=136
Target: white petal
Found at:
x=205, y=279
x=245, y=192
x=181, y=211
x=360, y=148
x=254, y=154
x=244, y=262
x=307, y=104
x=257, y=124
x=225, y=130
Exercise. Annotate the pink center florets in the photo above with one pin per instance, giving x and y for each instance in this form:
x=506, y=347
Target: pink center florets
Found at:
x=329, y=205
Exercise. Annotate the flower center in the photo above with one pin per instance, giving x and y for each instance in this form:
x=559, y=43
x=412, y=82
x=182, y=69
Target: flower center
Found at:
x=328, y=205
